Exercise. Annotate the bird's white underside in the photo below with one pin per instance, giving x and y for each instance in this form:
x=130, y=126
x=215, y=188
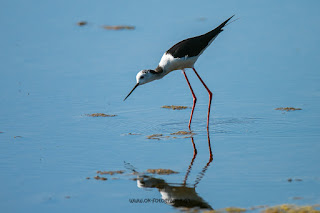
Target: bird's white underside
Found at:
x=169, y=63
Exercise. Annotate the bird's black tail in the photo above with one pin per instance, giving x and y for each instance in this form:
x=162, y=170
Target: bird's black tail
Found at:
x=226, y=21
x=219, y=28
x=215, y=32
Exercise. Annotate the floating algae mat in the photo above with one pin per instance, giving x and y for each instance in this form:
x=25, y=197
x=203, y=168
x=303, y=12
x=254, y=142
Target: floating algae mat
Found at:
x=100, y=115
x=118, y=27
x=82, y=23
x=97, y=177
x=155, y=136
x=110, y=172
x=100, y=178
x=287, y=109
x=130, y=133
x=284, y=208
x=186, y=134
x=162, y=171
x=296, y=179
x=227, y=210
x=175, y=107
x=183, y=133
x=291, y=209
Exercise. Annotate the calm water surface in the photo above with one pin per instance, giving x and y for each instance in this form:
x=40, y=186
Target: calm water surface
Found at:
x=54, y=72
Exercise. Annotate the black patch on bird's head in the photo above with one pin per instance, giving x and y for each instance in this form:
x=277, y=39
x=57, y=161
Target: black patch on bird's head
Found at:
x=148, y=71
x=146, y=76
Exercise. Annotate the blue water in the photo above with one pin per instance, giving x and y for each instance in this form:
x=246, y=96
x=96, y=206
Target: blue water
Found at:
x=54, y=72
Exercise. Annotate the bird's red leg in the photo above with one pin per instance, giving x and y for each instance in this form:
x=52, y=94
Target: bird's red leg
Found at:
x=194, y=98
x=210, y=96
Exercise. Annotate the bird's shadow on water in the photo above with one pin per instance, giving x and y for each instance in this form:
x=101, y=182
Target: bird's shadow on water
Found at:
x=182, y=195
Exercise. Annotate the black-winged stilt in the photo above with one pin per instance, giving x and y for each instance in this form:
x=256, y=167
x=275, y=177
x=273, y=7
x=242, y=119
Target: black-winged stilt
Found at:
x=180, y=56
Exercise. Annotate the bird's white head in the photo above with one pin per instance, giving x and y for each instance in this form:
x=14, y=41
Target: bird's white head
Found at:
x=143, y=77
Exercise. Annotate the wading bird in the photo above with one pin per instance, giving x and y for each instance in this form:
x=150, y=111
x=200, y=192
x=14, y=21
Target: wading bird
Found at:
x=179, y=57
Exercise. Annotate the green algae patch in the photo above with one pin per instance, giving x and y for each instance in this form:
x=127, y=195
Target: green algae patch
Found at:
x=100, y=115
x=287, y=109
x=110, y=172
x=175, y=107
x=288, y=208
x=162, y=171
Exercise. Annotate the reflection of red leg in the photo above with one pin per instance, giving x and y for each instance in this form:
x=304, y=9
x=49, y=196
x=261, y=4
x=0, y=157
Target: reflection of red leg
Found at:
x=209, y=147
x=194, y=149
x=194, y=98
x=190, y=166
x=210, y=96
x=203, y=171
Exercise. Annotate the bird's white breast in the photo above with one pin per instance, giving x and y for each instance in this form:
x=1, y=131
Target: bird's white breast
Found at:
x=169, y=63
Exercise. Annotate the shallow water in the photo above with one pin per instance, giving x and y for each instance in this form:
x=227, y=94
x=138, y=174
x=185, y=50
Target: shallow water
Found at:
x=54, y=73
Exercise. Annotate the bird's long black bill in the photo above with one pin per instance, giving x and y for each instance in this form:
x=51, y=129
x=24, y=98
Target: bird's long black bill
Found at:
x=131, y=91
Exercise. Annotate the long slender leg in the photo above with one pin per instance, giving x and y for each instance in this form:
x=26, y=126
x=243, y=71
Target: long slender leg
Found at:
x=210, y=96
x=194, y=98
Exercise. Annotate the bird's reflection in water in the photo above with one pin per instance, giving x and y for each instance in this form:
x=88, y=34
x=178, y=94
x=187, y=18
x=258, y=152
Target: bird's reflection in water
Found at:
x=182, y=196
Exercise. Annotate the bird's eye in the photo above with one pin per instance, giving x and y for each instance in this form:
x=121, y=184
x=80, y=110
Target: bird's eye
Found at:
x=141, y=77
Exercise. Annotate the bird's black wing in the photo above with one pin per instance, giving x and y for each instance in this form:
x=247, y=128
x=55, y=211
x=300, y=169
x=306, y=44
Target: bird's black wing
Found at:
x=189, y=47
x=193, y=46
